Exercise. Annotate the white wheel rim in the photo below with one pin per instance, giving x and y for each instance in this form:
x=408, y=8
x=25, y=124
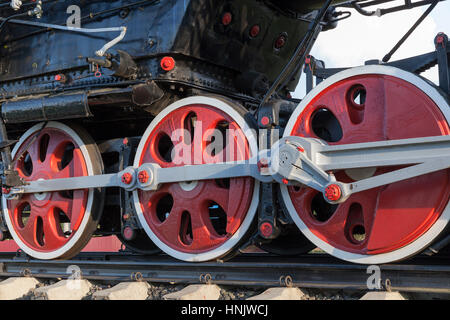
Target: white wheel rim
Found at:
x=245, y=225
x=423, y=241
x=76, y=237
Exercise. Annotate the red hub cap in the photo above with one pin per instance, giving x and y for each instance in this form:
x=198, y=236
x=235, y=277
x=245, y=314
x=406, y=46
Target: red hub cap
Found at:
x=196, y=216
x=369, y=108
x=46, y=222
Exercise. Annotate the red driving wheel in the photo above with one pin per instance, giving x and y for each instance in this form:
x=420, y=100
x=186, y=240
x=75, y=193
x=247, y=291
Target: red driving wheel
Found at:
x=373, y=225
x=54, y=224
x=197, y=220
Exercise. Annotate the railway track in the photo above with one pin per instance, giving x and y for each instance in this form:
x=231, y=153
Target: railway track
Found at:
x=421, y=274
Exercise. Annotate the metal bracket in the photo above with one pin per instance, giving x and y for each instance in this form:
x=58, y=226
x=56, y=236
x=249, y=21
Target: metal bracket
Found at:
x=442, y=50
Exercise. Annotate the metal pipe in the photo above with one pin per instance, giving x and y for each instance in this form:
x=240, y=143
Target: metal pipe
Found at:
x=46, y=108
x=100, y=53
x=6, y=151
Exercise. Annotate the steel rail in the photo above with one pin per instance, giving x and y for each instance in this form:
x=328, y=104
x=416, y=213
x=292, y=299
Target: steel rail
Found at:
x=420, y=274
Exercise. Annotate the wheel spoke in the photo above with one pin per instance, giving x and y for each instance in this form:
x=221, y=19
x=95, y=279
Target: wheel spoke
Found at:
x=73, y=208
x=202, y=230
x=62, y=203
x=73, y=169
x=33, y=150
x=56, y=146
x=219, y=195
x=170, y=126
x=29, y=232
x=172, y=225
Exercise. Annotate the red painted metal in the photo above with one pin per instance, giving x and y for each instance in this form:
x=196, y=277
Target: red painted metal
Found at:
x=265, y=121
x=394, y=215
x=39, y=228
x=60, y=78
x=254, y=31
x=167, y=63
x=227, y=17
x=333, y=192
x=188, y=227
x=266, y=229
x=143, y=176
x=99, y=244
x=127, y=178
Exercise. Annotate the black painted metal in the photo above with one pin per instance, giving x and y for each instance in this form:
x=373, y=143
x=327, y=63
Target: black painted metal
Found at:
x=208, y=54
x=298, y=58
x=47, y=108
x=430, y=274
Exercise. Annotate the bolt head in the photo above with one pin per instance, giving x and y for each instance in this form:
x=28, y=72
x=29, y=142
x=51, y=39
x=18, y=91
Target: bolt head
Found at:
x=128, y=233
x=265, y=121
x=227, y=17
x=280, y=42
x=254, y=31
x=167, y=63
x=266, y=229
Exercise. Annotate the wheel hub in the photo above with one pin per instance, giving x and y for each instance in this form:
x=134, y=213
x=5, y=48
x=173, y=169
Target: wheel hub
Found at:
x=188, y=185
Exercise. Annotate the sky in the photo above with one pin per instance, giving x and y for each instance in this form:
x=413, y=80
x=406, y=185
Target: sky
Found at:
x=360, y=38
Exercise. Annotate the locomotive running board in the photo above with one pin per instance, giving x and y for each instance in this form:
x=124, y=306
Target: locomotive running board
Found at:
x=292, y=160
